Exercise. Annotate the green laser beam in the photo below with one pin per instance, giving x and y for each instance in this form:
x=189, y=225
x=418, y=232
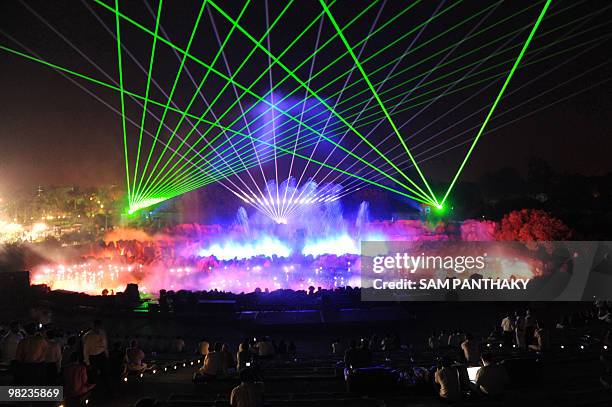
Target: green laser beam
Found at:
x=494, y=76
x=313, y=93
x=497, y=99
x=538, y=60
x=194, y=97
x=146, y=100
x=437, y=15
x=125, y=144
x=238, y=99
x=375, y=93
x=341, y=147
x=217, y=97
x=172, y=90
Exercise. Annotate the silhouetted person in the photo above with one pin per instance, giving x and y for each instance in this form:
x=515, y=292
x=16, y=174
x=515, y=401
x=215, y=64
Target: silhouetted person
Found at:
x=248, y=393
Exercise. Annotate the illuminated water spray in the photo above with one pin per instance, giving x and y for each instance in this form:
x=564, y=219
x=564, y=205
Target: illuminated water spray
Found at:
x=284, y=202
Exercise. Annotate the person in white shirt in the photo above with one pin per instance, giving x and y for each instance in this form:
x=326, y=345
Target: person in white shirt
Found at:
x=507, y=326
x=95, y=350
x=8, y=344
x=95, y=343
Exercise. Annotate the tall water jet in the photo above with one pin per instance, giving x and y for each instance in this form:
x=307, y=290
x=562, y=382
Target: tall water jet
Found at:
x=242, y=220
x=363, y=218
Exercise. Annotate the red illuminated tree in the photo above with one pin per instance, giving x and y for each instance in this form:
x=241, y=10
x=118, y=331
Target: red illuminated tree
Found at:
x=529, y=225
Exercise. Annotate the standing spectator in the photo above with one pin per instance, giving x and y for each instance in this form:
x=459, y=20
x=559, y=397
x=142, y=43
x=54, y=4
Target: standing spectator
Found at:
x=30, y=358
x=447, y=377
x=70, y=347
x=95, y=351
x=530, y=327
x=519, y=328
x=116, y=365
x=248, y=393
x=8, y=344
x=53, y=357
x=507, y=327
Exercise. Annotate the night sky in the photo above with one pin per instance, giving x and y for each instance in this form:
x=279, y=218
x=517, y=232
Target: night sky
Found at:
x=52, y=132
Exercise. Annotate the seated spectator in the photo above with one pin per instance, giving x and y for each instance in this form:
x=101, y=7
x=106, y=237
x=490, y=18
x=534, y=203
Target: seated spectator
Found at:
x=228, y=360
x=291, y=348
x=455, y=339
x=281, y=349
x=53, y=357
x=471, y=350
x=265, y=348
x=213, y=365
x=203, y=348
x=374, y=343
x=75, y=380
x=447, y=378
x=388, y=343
x=338, y=348
x=443, y=338
x=243, y=356
x=357, y=357
x=8, y=344
x=563, y=324
x=134, y=357
x=491, y=378
x=177, y=345
x=248, y=393
x=432, y=341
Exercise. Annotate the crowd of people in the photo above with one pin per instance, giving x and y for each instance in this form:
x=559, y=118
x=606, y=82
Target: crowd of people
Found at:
x=454, y=364
x=37, y=355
